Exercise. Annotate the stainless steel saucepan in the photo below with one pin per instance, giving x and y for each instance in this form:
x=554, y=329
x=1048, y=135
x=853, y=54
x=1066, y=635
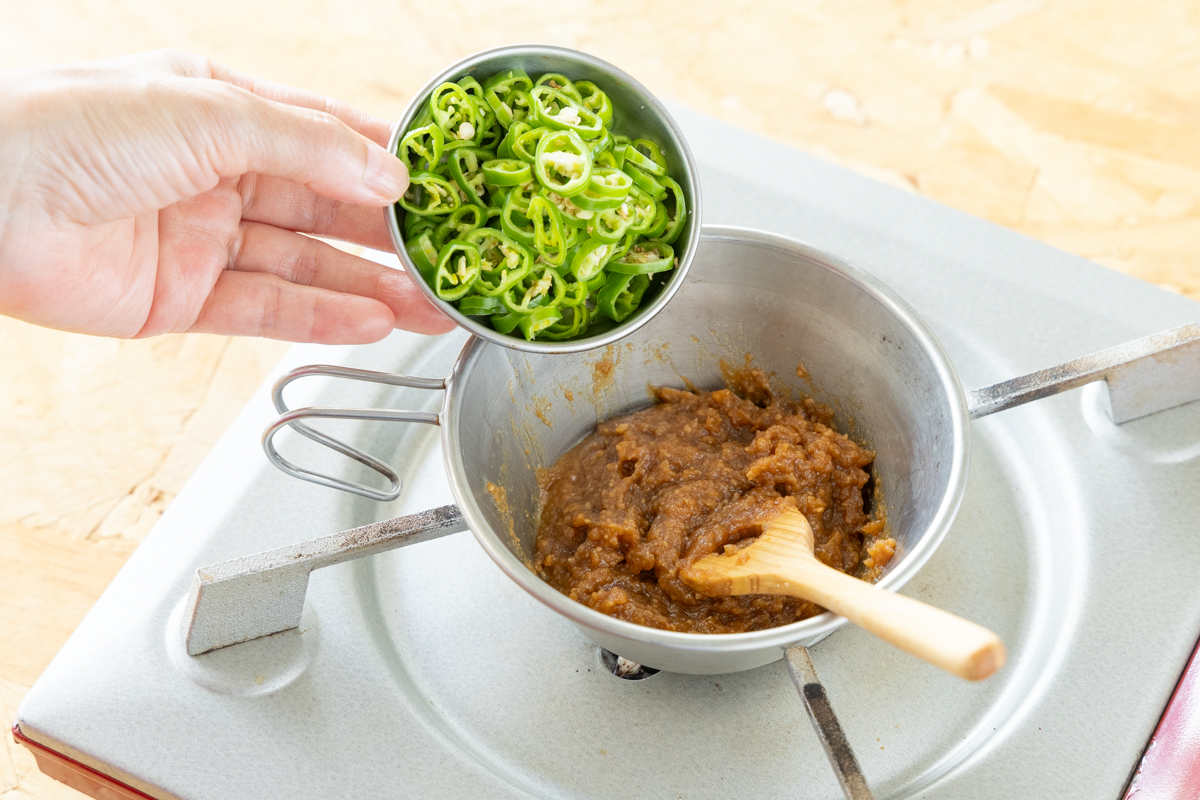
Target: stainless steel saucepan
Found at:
x=506, y=414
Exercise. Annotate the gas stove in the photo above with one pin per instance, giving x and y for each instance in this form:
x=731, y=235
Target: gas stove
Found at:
x=426, y=672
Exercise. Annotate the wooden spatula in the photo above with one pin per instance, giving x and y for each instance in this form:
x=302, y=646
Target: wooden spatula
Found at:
x=781, y=561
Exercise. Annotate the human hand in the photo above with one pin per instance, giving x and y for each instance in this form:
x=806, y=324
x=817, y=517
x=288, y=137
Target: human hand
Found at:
x=163, y=193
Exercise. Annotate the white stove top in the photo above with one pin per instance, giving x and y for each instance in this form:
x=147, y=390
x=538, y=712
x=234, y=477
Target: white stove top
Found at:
x=425, y=672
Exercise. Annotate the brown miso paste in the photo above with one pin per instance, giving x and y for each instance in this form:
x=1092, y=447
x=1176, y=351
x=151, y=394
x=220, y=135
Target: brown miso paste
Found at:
x=651, y=492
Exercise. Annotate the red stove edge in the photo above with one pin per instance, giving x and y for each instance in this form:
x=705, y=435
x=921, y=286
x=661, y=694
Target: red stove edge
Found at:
x=1170, y=765
x=79, y=777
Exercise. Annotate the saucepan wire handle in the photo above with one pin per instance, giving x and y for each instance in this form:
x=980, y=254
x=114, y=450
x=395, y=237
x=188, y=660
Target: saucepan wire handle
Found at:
x=293, y=419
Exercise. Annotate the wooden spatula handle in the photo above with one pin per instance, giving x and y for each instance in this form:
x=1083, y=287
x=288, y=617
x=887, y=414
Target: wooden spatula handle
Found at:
x=781, y=561
x=939, y=637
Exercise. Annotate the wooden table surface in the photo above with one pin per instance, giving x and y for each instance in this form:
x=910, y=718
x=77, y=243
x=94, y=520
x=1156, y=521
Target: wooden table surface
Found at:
x=1075, y=122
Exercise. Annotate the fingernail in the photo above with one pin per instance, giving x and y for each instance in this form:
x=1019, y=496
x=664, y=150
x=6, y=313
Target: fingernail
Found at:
x=386, y=175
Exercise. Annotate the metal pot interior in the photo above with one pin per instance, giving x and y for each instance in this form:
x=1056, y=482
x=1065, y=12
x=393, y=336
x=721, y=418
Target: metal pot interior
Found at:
x=510, y=414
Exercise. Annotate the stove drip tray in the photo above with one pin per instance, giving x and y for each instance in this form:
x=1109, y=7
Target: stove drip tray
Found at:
x=523, y=693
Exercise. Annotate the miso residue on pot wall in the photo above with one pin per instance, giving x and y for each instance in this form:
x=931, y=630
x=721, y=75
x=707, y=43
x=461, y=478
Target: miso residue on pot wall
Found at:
x=541, y=409
x=603, y=368
x=500, y=497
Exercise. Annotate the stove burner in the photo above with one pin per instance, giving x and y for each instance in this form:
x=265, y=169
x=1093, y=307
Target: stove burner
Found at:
x=625, y=669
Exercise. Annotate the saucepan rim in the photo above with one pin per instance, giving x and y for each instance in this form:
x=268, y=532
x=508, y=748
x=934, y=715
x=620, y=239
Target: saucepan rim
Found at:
x=785, y=635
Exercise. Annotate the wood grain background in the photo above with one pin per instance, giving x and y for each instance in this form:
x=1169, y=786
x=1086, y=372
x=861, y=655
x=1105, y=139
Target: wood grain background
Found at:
x=1076, y=122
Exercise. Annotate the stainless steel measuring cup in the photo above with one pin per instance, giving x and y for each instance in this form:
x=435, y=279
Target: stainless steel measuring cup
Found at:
x=636, y=113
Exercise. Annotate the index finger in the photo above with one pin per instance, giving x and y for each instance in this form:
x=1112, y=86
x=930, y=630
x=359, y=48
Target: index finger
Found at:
x=374, y=128
x=186, y=64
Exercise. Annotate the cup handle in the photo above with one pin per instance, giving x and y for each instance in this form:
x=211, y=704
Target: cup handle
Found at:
x=293, y=419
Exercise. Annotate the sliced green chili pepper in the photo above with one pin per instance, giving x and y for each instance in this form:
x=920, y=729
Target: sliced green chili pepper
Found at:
x=505, y=148
x=572, y=214
x=642, y=210
x=644, y=258
x=506, y=323
x=537, y=289
x=461, y=221
x=610, y=225
x=658, y=224
x=477, y=305
x=522, y=105
x=475, y=91
x=514, y=222
x=607, y=159
x=610, y=182
x=676, y=207
x=620, y=146
x=503, y=261
x=507, y=172
x=541, y=319
x=645, y=163
x=621, y=295
x=441, y=169
x=490, y=134
x=562, y=83
x=429, y=194
x=458, y=268
x=643, y=180
x=576, y=293
x=472, y=87
x=508, y=79
x=587, y=200
x=415, y=224
x=562, y=163
x=421, y=148
x=575, y=235
x=466, y=167
x=549, y=238
x=487, y=133
x=596, y=284
x=497, y=197
x=624, y=246
x=600, y=144
x=558, y=111
x=454, y=112
x=596, y=101
x=424, y=254
x=525, y=147
x=590, y=259
x=523, y=194
x=424, y=117
x=574, y=322
x=499, y=92
x=648, y=156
